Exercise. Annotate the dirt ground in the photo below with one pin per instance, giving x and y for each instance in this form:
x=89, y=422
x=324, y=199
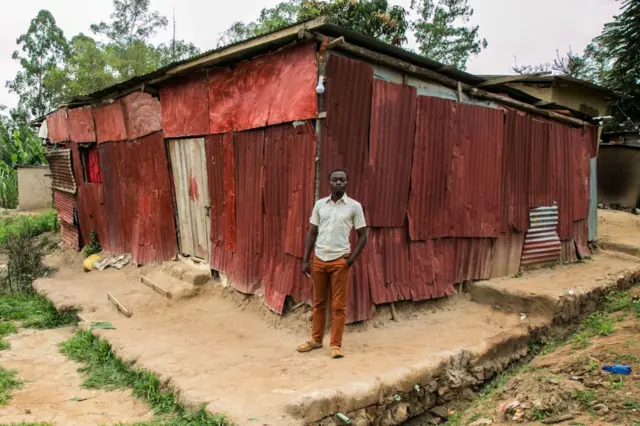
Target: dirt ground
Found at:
x=568, y=382
x=52, y=391
x=619, y=228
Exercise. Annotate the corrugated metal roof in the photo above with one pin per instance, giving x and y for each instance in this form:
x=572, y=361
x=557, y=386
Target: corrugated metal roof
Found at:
x=388, y=169
x=542, y=244
x=62, y=177
x=345, y=131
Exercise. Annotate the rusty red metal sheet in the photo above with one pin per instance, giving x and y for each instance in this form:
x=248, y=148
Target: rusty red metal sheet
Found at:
x=568, y=252
x=433, y=267
x=58, y=126
x=562, y=177
x=516, y=174
x=360, y=306
x=142, y=114
x=91, y=212
x=581, y=237
x=230, y=220
x=138, y=200
x=65, y=204
x=110, y=126
x=456, y=171
x=540, y=184
x=76, y=163
x=267, y=90
x=345, y=131
x=62, y=175
x=473, y=258
x=388, y=169
x=246, y=269
x=580, y=156
x=70, y=236
x=390, y=265
x=185, y=106
x=82, y=127
x=507, y=251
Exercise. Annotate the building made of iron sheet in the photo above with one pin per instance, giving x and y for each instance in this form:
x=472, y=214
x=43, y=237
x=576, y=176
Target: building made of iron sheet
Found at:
x=221, y=158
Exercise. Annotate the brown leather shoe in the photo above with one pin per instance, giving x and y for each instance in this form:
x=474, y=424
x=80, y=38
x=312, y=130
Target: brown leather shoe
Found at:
x=336, y=353
x=309, y=346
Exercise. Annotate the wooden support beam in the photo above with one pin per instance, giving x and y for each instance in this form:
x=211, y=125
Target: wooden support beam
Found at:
x=510, y=78
x=126, y=312
x=335, y=42
x=428, y=74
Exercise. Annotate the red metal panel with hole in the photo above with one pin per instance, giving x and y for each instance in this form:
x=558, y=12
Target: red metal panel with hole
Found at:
x=138, y=199
x=82, y=127
x=92, y=213
x=142, y=114
x=345, y=131
x=267, y=90
x=185, y=106
x=388, y=169
x=110, y=125
x=58, y=126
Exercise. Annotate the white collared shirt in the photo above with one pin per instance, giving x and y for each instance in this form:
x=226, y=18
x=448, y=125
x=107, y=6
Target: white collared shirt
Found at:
x=334, y=222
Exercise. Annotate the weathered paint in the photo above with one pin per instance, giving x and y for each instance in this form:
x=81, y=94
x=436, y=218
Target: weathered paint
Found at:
x=76, y=163
x=581, y=237
x=581, y=155
x=568, y=253
x=185, y=106
x=516, y=175
x=540, y=188
x=456, y=171
x=433, y=270
x=507, y=251
x=267, y=90
x=345, y=131
x=91, y=212
x=542, y=244
x=388, y=169
x=359, y=307
x=110, y=125
x=218, y=194
x=62, y=176
x=58, y=126
x=70, y=237
x=65, y=204
x=593, y=199
x=189, y=170
x=473, y=258
x=142, y=114
x=138, y=201
x=82, y=127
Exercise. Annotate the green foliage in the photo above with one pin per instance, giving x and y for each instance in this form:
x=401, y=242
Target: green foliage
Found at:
x=42, y=49
x=106, y=371
x=27, y=225
x=93, y=247
x=8, y=382
x=34, y=311
x=442, y=31
x=88, y=67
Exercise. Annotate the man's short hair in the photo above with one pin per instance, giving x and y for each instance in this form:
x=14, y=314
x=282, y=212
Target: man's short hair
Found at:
x=338, y=170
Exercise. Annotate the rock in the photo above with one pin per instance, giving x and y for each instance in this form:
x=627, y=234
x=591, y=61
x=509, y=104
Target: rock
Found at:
x=400, y=413
x=440, y=411
x=481, y=422
x=601, y=408
x=468, y=394
x=433, y=420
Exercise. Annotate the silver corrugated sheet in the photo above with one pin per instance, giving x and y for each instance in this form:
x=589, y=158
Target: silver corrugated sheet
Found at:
x=593, y=200
x=542, y=244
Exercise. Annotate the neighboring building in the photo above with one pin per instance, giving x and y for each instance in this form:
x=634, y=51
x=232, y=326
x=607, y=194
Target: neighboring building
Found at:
x=619, y=170
x=561, y=91
x=221, y=157
x=34, y=187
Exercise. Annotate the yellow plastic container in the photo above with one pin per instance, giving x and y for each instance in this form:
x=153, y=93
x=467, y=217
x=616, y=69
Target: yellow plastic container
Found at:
x=89, y=261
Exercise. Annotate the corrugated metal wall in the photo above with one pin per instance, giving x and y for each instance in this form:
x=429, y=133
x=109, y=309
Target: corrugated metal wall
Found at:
x=82, y=127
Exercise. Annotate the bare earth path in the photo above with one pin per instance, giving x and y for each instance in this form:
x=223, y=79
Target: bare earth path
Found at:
x=51, y=383
x=218, y=352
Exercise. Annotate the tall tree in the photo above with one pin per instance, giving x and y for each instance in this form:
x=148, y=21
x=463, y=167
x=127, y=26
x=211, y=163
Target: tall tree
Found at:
x=375, y=18
x=443, y=33
x=177, y=50
x=127, y=37
x=88, y=67
x=621, y=39
x=42, y=51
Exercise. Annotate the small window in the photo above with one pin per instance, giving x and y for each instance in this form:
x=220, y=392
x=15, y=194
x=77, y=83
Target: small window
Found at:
x=90, y=164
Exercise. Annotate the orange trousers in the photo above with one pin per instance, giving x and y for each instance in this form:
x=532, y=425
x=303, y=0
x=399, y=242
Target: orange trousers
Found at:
x=332, y=275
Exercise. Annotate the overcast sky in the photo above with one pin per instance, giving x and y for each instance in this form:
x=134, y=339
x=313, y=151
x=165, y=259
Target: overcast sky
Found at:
x=532, y=30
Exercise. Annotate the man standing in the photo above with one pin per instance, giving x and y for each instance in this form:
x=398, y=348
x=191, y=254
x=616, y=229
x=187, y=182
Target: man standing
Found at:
x=331, y=223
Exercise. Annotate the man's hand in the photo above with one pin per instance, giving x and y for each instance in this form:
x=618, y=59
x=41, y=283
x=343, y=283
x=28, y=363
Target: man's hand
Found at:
x=306, y=269
x=350, y=261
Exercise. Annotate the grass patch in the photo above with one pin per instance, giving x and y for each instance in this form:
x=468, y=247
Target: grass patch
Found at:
x=596, y=324
x=585, y=398
x=6, y=328
x=106, y=371
x=27, y=225
x=34, y=311
x=8, y=382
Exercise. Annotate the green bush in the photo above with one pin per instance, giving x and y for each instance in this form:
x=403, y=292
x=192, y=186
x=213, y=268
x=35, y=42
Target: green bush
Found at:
x=27, y=225
x=93, y=247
